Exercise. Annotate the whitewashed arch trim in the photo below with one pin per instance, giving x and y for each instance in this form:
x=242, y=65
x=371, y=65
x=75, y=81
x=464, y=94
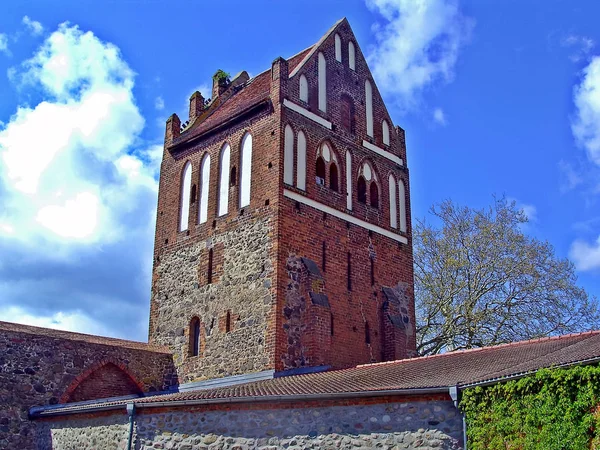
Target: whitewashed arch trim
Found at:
x=288, y=156
x=224, y=163
x=393, y=210
x=322, y=83
x=369, y=107
x=204, y=188
x=402, y=205
x=246, y=170
x=303, y=88
x=338, y=48
x=351, y=55
x=184, y=206
x=348, y=181
x=386, y=132
x=301, y=169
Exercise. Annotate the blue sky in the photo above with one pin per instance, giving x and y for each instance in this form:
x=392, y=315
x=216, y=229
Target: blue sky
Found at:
x=497, y=97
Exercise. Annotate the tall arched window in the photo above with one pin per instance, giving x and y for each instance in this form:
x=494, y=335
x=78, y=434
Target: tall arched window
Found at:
x=246, y=170
x=320, y=171
x=348, y=180
x=301, y=169
x=402, y=205
x=322, y=83
x=361, y=190
x=338, y=48
x=224, y=161
x=194, y=346
x=393, y=213
x=351, y=55
x=184, y=197
x=303, y=88
x=204, y=188
x=333, y=177
x=288, y=156
x=385, y=128
x=369, y=107
x=374, y=195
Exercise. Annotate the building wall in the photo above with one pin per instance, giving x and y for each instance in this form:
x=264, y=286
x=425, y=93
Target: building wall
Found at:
x=406, y=423
x=305, y=334
x=244, y=248
x=40, y=367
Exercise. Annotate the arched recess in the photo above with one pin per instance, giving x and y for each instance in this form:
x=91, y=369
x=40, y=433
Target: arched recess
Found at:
x=368, y=184
x=327, y=163
x=402, y=205
x=245, y=170
x=288, y=156
x=369, y=107
x=322, y=83
x=393, y=210
x=338, y=48
x=224, y=163
x=303, y=88
x=204, y=188
x=301, y=168
x=184, y=198
x=105, y=379
x=351, y=55
x=385, y=128
x=347, y=113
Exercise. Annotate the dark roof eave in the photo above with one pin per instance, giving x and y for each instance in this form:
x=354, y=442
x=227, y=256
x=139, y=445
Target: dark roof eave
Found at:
x=251, y=110
x=38, y=413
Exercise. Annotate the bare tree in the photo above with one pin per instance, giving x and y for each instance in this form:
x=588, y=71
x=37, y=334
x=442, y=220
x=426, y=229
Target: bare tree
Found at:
x=480, y=280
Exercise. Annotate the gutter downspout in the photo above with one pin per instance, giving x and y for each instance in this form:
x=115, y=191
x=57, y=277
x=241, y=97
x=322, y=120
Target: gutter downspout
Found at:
x=453, y=391
x=131, y=414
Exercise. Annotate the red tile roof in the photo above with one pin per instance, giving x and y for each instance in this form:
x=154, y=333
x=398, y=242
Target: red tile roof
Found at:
x=251, y=93
x=88, y=338
x=460, y=368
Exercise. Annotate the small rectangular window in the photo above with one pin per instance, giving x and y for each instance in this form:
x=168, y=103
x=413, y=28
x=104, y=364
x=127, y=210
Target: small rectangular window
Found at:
x=209, y=274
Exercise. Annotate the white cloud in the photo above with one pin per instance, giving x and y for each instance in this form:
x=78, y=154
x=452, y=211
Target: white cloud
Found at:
x=4, y=43
x=159, y=103
x=33, y=26
x=75, y=321
x=439, y=116
x=530, y=211
x=417, y=45
x=581, y=44
x=571, y=177
x=586, y=256
x=77, y=189
x=586, y=124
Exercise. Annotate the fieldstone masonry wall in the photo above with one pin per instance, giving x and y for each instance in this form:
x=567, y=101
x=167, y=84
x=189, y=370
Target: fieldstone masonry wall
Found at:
x=39, y=366
x=243, y=289
x=395, y=425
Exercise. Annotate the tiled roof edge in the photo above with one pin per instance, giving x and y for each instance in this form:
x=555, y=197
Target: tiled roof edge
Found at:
x=480, y=349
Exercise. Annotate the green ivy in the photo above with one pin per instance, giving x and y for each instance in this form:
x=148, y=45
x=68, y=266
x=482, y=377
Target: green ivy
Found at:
x=221, y=76
x=555, y=409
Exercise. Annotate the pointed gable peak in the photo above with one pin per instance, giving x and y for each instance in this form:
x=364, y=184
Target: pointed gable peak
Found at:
x=316, y=47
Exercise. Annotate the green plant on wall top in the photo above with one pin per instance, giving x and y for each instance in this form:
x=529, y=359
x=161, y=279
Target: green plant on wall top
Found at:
x=555, y=409
x=221, y=77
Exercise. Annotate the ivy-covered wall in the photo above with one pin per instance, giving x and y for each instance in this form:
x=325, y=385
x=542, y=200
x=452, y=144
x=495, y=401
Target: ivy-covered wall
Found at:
x=553, y=409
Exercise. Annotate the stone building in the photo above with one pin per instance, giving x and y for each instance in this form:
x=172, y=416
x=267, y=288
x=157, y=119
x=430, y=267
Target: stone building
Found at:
x=282, y=311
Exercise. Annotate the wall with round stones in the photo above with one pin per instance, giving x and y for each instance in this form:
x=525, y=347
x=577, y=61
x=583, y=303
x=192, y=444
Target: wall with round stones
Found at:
x=425, y=424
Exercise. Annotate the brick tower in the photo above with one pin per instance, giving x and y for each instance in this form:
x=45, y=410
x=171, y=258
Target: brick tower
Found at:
x=283, y=236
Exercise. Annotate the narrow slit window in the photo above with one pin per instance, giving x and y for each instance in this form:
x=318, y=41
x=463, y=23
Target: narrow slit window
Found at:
x=204, y=188
x=372, y=271
x=193, y=195
x=228, y=322
x=233, y=177
x=209, y=271
x=324, y=257
x=194, y=337
x=224, y=180
x=301, y=163
x=331, y=328
x=349, y=271
x=288, y=156
x=246, y=170
x=322, y=68
x=367, y=334
x=184, y=204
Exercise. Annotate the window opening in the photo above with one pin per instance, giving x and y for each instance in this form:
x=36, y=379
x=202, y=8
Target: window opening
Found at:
x=361, y=190
x=374, y=194
x=210, y=267
x=320, y=169
x=333, y=177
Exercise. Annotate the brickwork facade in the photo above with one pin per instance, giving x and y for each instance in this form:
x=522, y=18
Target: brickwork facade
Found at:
x=286, y=316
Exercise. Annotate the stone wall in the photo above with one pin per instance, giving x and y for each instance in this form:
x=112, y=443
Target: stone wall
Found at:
x=242, y=290
x=408, y=424
x=39, y=367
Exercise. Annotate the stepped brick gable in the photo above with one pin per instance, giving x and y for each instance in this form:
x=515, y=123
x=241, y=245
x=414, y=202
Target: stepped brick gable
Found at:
x=283, y=226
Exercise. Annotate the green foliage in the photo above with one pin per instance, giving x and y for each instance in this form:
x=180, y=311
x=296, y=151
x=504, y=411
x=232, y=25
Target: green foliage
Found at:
x=555, y=409
x=221, y=76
